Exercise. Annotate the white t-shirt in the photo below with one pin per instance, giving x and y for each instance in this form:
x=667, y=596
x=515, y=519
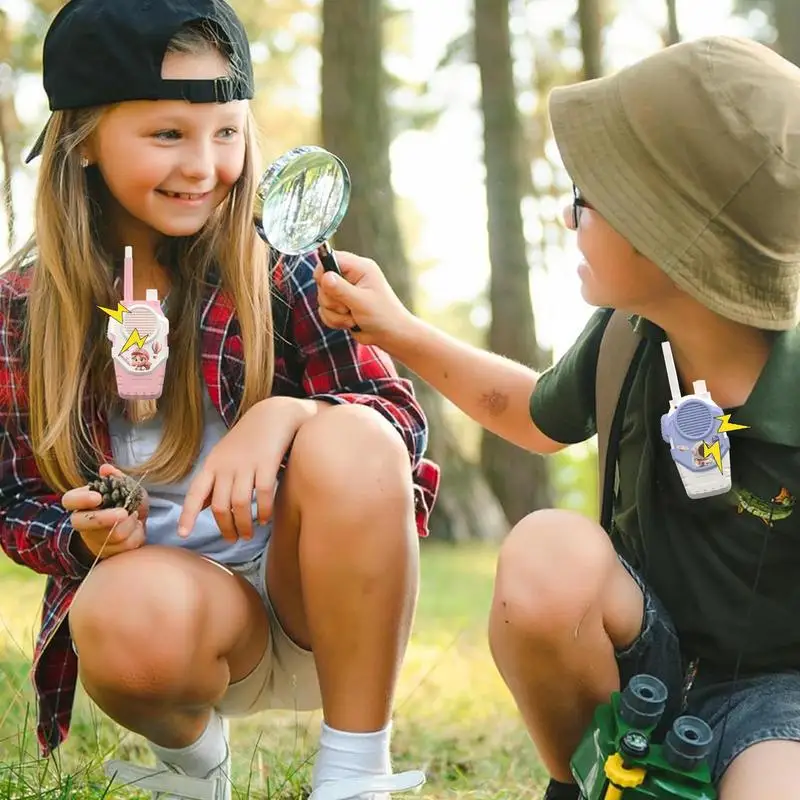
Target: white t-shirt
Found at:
x=132, y=444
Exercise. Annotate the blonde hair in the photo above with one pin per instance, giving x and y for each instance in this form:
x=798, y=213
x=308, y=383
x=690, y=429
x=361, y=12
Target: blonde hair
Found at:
x=69, y=365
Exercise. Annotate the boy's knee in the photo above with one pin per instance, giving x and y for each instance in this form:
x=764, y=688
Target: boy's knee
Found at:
x=551, y=570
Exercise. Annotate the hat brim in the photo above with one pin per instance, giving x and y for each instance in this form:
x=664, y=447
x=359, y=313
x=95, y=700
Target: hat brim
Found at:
x=608, y=162
x=36, y=150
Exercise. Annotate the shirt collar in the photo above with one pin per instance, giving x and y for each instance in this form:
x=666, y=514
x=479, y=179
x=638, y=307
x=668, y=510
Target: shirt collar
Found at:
x=771, y=412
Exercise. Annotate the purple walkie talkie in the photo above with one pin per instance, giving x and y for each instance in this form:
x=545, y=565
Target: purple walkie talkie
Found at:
x=691, y=428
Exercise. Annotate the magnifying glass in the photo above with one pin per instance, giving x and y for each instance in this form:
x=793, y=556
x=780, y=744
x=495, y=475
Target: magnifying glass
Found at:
x=300, y=202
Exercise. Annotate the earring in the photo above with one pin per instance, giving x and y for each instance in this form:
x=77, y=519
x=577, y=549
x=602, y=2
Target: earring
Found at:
x=84, y=162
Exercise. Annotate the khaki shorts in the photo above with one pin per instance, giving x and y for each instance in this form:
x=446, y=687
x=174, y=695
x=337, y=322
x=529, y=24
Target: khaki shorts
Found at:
x=286, y=676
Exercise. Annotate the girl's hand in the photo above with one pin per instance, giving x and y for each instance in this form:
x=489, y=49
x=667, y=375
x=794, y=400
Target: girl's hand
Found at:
x=105, y=532
x=363, y=298
x=247, y=459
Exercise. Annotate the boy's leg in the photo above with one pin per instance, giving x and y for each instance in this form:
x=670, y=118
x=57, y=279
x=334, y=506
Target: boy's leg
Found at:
x=342, y=577
x=567, y=618
x=769, y=769
x=756, y=724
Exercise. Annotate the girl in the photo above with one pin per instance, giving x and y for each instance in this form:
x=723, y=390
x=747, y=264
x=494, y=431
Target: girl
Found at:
x=273, y=559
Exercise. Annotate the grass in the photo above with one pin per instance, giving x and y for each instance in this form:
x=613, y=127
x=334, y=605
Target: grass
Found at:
x=453, y=716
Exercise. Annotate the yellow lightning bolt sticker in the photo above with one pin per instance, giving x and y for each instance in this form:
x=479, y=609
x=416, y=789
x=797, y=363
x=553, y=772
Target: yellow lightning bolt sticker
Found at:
x=726, y=426
x=117, y=315
x=134, y=339
x=713, y=451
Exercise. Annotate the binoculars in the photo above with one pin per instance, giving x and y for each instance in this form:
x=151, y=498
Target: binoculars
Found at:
x=617, y=758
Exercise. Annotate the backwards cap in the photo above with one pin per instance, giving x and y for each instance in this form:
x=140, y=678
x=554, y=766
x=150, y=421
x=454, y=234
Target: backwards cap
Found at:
x=99, y=52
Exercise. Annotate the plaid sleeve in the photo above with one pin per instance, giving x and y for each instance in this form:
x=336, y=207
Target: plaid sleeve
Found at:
x=34, y=527
x=337, y=369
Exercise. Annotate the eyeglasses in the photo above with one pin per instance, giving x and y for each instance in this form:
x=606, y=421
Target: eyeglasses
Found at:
x=578, y=202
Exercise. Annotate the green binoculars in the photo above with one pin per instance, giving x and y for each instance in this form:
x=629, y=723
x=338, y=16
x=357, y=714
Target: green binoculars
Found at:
x=618, y=759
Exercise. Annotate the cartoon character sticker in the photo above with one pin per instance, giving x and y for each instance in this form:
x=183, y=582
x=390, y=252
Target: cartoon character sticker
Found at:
x=702, y=455
x=140, y=358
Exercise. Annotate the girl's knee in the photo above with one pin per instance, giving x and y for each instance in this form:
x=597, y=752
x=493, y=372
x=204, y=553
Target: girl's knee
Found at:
x=350, y=436
x=551, y=571
x=353, y=454
x=137, y=623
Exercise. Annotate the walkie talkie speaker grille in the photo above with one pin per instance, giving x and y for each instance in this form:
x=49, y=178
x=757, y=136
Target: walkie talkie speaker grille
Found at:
x=142, y=319
x=694, y=420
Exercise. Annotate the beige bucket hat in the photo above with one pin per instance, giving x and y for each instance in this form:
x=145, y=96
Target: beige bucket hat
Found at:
x=693, y=155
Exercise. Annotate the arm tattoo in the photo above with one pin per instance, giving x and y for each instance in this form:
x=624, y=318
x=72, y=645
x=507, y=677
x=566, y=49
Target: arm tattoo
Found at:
x=494, y=402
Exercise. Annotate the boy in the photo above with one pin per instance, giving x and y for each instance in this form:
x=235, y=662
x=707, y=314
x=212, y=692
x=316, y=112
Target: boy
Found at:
x=687, y=213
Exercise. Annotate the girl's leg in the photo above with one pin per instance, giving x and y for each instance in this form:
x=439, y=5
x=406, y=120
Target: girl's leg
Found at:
x=342, y=575
x=563, y=602
x=161, y=633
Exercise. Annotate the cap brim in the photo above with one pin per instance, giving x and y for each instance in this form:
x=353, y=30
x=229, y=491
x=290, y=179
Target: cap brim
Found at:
x=36, y=150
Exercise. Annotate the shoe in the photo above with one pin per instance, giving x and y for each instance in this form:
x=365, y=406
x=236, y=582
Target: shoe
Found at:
x=562, y=791
x=167, y=782
x=370, y=787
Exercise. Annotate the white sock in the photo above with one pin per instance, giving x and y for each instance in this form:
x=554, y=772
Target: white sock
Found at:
x=351, y=755
x=200, y=759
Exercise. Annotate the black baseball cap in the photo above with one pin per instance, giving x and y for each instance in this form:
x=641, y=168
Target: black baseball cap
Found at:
x=99, y=52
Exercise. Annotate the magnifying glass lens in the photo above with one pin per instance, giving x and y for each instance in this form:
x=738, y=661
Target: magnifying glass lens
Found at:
x=301, y=200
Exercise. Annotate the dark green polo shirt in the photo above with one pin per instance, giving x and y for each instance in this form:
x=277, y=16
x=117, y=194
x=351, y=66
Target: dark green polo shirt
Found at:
x=701, y=556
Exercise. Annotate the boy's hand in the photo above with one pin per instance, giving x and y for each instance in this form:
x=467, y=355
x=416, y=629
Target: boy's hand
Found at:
x=364, y=298
x=105, y=532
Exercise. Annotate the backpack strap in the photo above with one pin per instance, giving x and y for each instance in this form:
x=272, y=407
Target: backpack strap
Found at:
x=618, y=350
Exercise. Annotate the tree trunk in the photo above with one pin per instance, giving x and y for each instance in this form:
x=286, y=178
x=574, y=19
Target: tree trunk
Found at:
x=590, y=19
x=520, y=479
x=9, y=125
x=8, y=174
x=356, y=127
x=673, y=31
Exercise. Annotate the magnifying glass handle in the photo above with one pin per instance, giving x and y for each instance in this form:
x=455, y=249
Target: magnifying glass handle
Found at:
x=329, y=264
x=328, y=259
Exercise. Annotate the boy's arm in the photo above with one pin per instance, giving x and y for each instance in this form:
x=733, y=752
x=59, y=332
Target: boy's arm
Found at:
x=543, y=413
x=497, y=393
x=494, y=391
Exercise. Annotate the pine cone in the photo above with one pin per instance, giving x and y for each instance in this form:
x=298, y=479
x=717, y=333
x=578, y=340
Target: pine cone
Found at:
x=118, y=492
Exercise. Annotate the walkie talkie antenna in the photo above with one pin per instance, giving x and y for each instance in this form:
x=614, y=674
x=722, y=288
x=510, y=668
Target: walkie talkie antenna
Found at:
x=672, y=373
x=127, y=275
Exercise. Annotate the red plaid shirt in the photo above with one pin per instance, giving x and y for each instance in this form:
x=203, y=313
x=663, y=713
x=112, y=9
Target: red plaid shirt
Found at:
x=311, y=361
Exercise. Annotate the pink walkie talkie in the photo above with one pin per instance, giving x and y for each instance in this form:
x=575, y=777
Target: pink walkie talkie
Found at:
x=138, y=333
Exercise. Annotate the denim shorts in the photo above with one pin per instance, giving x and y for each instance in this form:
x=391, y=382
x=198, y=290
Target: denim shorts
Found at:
x=758, y=709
